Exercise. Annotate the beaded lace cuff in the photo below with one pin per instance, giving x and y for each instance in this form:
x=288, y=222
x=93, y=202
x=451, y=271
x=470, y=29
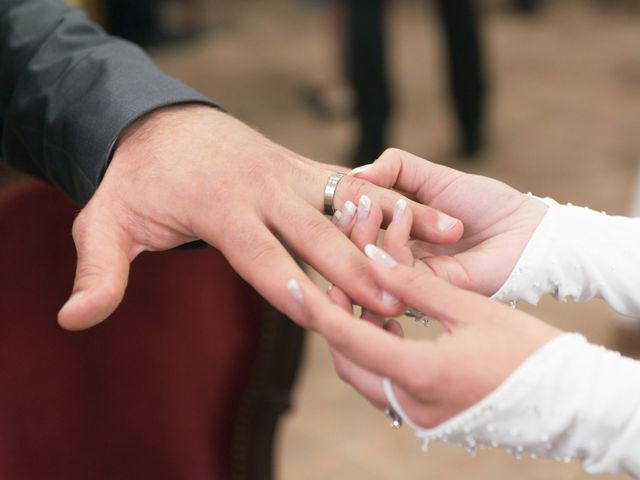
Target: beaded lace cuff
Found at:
x=580, y=254
x=570, y=400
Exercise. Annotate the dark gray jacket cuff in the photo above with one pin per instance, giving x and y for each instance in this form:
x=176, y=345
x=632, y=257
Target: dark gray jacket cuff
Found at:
x=68, y=90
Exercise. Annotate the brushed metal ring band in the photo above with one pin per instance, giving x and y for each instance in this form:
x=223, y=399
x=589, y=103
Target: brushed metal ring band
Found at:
x=330, y=192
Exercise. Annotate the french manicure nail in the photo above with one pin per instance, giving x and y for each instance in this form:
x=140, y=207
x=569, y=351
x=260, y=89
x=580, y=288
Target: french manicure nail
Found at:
x=388, y=299
x=361, y=169
x=445, y=222
x=364, y=207
x=329, y=287
x=349, y=208
x=348, y=212
x=337, y=215
x=296, y=292
x=380, y=256
x=398, y=211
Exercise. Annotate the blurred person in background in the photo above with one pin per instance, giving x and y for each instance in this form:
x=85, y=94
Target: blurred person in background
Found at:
x=142, y=22
x=367, y=67
x=135, y=21
x=192, y=14
x=527, y=6
x=332, y=96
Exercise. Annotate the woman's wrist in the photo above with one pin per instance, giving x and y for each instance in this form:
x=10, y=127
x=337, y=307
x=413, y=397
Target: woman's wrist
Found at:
x=578, y=253
x=556, y=405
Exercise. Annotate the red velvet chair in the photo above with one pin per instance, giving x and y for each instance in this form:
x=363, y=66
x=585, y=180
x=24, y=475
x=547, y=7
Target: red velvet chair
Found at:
x=185, y=381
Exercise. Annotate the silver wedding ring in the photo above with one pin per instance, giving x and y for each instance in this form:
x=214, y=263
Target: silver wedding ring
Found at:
x=418, y=316
x=396, y=420
x=330, y=192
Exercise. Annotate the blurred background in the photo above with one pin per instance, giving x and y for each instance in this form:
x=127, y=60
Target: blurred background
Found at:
x=544, y=95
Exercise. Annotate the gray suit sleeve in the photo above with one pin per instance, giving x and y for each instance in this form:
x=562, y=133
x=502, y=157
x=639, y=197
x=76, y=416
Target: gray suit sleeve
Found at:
x=67, y=90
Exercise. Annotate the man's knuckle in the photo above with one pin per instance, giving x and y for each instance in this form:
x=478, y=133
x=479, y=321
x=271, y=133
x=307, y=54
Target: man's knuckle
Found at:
x=352, y=189
x=262, y=250
x=244, y=235
x=88, y=270
x=359, y=280
x=319, y=230
x=391, y=153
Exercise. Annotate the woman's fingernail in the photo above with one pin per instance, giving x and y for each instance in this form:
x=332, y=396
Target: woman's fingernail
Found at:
x=364, y=207
x=296, y=292
x=361, y=169
x=329, y=287
x=398, y=212
x=445, y=222
x=348, y=212
x=337, y=215
x=380, y=256
x=388, y=299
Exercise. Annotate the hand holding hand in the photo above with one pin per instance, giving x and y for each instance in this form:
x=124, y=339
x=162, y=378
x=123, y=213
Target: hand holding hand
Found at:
x=498, y=220
x=191, y=172
x=483, y=344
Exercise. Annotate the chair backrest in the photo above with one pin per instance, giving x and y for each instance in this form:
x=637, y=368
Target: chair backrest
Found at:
x=186, y=380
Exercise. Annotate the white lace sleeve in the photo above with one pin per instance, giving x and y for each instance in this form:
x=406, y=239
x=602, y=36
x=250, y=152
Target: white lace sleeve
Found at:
x=579, y=253
x=569, y=400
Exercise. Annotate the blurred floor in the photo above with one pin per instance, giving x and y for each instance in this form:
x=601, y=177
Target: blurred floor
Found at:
x=565, y=122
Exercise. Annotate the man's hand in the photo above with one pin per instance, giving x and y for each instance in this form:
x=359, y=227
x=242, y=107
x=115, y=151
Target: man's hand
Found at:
x=498, y=220
x=192, y=172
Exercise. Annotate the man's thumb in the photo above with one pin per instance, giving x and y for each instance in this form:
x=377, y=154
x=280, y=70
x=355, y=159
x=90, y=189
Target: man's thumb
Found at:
x=102, y=271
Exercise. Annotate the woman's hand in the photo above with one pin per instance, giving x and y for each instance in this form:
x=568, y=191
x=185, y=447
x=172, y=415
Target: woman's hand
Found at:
x=483, y=343
x=498, y=220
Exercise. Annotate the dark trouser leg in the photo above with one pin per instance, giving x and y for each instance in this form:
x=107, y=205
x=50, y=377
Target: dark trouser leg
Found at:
x=527, y=6
x=466, y=72
x=366, y=66
x=134, y=20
